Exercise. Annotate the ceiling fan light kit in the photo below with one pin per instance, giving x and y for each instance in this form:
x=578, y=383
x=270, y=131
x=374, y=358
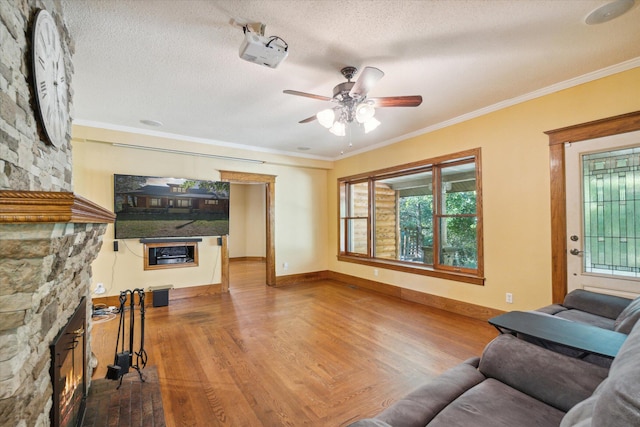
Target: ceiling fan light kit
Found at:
x=371, y=124
x=364, y=112
x=338, y=128
x=326, y=117
x=353, y=103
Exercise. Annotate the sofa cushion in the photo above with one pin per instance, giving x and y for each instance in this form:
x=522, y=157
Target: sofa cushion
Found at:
x=596, y=303
x=618, y=401
x=580, y=415
x=494, y=404
x=588, y=318
x=553, y=378
x=628, y=318
x=420, y=406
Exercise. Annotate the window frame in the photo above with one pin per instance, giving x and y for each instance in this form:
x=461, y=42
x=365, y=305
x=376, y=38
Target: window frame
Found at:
x=466, y=275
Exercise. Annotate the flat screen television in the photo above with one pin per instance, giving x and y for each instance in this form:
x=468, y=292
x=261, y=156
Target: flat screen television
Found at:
x=155, y=207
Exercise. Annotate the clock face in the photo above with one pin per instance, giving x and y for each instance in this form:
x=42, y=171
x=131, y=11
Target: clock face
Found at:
x=50, y=81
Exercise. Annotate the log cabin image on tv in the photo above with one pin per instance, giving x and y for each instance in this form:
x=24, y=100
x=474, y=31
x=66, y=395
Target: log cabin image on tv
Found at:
x=154, y=207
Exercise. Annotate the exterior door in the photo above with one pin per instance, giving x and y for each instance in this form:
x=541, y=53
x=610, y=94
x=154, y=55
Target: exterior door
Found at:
x=603, y=214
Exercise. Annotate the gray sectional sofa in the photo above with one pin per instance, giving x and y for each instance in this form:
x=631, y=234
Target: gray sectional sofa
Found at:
x=516, y=383
x=604, y=311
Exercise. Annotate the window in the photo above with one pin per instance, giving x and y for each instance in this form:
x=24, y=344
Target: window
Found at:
x=183, y=203
x=155, y=202
x=210, y=202
x=423, y=218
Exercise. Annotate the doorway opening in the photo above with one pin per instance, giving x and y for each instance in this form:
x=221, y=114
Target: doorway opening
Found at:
x=268, y=184
x=247, y=236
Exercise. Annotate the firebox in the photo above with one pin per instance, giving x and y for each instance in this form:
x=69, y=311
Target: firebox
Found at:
x=68, y=366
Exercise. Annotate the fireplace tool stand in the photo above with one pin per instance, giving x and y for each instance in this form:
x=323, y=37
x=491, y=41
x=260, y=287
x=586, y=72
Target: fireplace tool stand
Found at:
x=123, y=359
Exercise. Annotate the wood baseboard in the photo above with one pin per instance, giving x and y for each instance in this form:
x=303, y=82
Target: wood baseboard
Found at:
x=174, y=294
x=466, y=309
x=113, y=300
x=459, y=307
x=293, y=279
x=195, y=291
x=383, y=288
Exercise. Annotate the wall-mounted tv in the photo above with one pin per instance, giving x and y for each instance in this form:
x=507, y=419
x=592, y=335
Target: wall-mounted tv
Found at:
x=154, y=207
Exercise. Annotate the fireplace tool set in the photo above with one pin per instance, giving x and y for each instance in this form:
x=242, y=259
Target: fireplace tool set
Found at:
x=124, y=358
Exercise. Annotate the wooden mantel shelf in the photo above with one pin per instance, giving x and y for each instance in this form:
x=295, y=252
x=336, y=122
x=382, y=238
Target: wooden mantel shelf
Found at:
x=21, y=207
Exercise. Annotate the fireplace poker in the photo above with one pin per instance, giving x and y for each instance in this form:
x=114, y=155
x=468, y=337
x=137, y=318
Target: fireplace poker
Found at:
x=132, y=305
x=141, y=356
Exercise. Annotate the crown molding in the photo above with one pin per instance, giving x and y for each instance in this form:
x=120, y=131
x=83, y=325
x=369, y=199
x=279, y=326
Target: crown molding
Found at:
x=22, y=207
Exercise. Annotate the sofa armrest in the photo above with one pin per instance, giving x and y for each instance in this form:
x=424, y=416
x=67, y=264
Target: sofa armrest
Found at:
x=553, y=378
x=419, y=407
x=609, y=306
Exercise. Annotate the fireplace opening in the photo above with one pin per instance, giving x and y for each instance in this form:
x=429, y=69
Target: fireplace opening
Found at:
x=68, y=366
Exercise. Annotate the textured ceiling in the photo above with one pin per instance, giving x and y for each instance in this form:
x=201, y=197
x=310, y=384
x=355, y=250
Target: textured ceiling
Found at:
x=177, y=61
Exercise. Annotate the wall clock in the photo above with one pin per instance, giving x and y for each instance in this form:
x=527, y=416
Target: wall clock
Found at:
x=49, y=78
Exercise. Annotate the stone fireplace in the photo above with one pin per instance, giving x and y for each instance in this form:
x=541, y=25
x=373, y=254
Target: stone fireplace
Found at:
x=47, y=243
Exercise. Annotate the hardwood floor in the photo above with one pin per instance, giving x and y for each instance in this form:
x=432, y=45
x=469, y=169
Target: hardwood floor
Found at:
x=316, y=354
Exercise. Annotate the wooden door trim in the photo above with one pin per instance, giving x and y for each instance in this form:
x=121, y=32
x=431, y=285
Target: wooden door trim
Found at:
x=629, y=122
x=270, y=184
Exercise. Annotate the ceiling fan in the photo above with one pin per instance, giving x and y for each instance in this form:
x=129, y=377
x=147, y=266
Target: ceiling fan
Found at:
x=353, y=103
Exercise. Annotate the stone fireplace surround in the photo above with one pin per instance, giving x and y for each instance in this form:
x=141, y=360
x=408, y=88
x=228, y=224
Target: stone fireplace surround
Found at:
x=48, y=236
x=48, y=241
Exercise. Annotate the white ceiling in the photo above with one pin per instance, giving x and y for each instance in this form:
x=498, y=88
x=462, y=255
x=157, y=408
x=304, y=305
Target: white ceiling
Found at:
x=177, y=61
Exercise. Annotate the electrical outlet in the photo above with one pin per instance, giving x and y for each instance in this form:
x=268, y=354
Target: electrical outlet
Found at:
x=285, y=265
x=375, y=272
x=100, y=289
x=509, y=298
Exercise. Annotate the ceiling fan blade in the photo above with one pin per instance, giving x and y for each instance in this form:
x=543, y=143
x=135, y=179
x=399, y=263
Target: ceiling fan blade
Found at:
x=397, y=101
x=308, y=119
x=308, y=95
x=368, y=78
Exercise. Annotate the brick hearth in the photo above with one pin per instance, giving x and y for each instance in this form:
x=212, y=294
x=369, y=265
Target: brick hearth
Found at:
x=134, y=404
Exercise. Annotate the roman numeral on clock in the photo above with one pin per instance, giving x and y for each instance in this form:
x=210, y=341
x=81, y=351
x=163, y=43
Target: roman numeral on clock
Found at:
x=43, y=88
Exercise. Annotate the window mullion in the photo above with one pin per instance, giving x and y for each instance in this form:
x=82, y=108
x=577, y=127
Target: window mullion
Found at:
x=370, y=214
x=437, y=210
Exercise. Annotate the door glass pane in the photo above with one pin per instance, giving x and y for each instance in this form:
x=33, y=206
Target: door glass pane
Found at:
x=611, y=212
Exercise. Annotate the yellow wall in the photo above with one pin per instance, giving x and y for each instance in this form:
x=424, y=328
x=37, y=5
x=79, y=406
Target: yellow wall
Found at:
x=301, y=198
x=515, y=182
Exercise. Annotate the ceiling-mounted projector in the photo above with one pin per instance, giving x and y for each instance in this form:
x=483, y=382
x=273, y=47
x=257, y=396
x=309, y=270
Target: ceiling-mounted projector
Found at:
x=267, y=51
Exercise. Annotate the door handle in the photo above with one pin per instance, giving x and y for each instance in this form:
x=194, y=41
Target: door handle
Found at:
x=576, y=252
